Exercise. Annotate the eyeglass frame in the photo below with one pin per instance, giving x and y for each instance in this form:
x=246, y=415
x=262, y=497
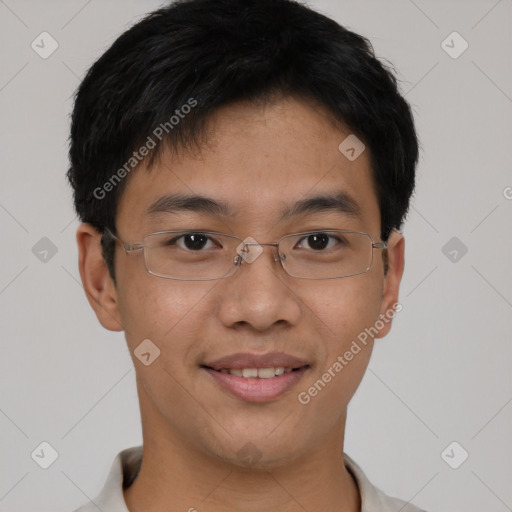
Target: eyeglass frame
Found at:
x=238, y=259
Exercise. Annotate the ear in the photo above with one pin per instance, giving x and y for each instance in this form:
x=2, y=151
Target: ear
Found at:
x=389, y=305
x=98, y=285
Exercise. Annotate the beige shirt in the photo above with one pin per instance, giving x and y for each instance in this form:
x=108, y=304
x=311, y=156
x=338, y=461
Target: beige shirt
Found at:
x=127, y=464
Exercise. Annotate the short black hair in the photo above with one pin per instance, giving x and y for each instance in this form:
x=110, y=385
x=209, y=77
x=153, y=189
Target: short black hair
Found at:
x=161, y=80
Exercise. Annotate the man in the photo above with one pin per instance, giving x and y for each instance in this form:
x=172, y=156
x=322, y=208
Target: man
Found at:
x=242, y=169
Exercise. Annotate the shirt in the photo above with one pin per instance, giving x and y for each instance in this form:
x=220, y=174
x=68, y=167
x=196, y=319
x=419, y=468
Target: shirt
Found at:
x=126, y=465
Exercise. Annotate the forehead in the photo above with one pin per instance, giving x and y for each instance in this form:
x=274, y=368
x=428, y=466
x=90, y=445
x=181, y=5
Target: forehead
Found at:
x=261, y=164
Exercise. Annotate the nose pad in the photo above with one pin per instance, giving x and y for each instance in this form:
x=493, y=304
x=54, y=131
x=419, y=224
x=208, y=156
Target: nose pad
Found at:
x=279, y=258
x=238, y=259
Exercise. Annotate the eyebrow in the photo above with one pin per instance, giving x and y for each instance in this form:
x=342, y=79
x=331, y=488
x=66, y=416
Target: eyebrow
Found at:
x=341, y=202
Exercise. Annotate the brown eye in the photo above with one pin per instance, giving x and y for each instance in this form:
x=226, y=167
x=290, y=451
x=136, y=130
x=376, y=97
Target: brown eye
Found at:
x=318, y=241
x=195, y=241
x=189, y=241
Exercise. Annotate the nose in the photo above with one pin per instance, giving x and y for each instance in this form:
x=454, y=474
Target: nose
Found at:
x=260, y=293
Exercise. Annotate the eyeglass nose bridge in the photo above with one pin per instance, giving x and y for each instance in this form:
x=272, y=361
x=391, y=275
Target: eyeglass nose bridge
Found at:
x=244, y=256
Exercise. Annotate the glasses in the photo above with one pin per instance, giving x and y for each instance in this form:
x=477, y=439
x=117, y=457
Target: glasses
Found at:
x=208, y=255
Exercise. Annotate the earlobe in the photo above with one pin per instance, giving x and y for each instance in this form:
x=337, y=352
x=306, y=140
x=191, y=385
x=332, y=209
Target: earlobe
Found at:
x=98, y=285
x=389, y=303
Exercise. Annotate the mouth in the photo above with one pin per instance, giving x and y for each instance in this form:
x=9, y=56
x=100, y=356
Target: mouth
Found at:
x=256, y=378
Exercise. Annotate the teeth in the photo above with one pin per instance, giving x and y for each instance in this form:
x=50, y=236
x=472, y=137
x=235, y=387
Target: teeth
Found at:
x=267, y=373
x=262, y=373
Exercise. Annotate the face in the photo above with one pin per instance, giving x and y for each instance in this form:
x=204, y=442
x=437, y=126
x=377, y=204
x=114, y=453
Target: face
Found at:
x=259, y=161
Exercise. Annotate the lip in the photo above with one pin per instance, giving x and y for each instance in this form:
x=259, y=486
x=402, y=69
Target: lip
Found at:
x=242, y=360
x=256, y=389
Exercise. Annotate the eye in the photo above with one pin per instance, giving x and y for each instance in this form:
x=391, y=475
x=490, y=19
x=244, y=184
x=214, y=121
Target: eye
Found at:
x=320, y=241
x=190, y=241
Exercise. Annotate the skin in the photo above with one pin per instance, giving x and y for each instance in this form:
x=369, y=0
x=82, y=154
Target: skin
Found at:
x=258, y=159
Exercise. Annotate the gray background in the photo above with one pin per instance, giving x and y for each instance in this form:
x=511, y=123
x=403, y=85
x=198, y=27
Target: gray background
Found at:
x=442, y=375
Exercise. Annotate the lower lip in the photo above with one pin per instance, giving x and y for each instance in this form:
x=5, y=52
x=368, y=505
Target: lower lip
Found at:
x=256, y=389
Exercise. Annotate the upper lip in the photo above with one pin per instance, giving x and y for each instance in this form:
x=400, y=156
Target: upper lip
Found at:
x=242, y=360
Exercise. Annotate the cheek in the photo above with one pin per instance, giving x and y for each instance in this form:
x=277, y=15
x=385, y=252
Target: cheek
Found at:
x=171, y=315
x=162, y=310
x=345, y=307
x=342, y=313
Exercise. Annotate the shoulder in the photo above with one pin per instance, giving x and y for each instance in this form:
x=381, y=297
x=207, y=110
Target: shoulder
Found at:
x=372, y=498
x=123, y=471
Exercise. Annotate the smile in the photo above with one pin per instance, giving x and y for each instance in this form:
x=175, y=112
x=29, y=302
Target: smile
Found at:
x=256, y=385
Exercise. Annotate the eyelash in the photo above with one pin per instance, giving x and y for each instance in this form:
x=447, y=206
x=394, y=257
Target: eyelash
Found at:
x=210, y=238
